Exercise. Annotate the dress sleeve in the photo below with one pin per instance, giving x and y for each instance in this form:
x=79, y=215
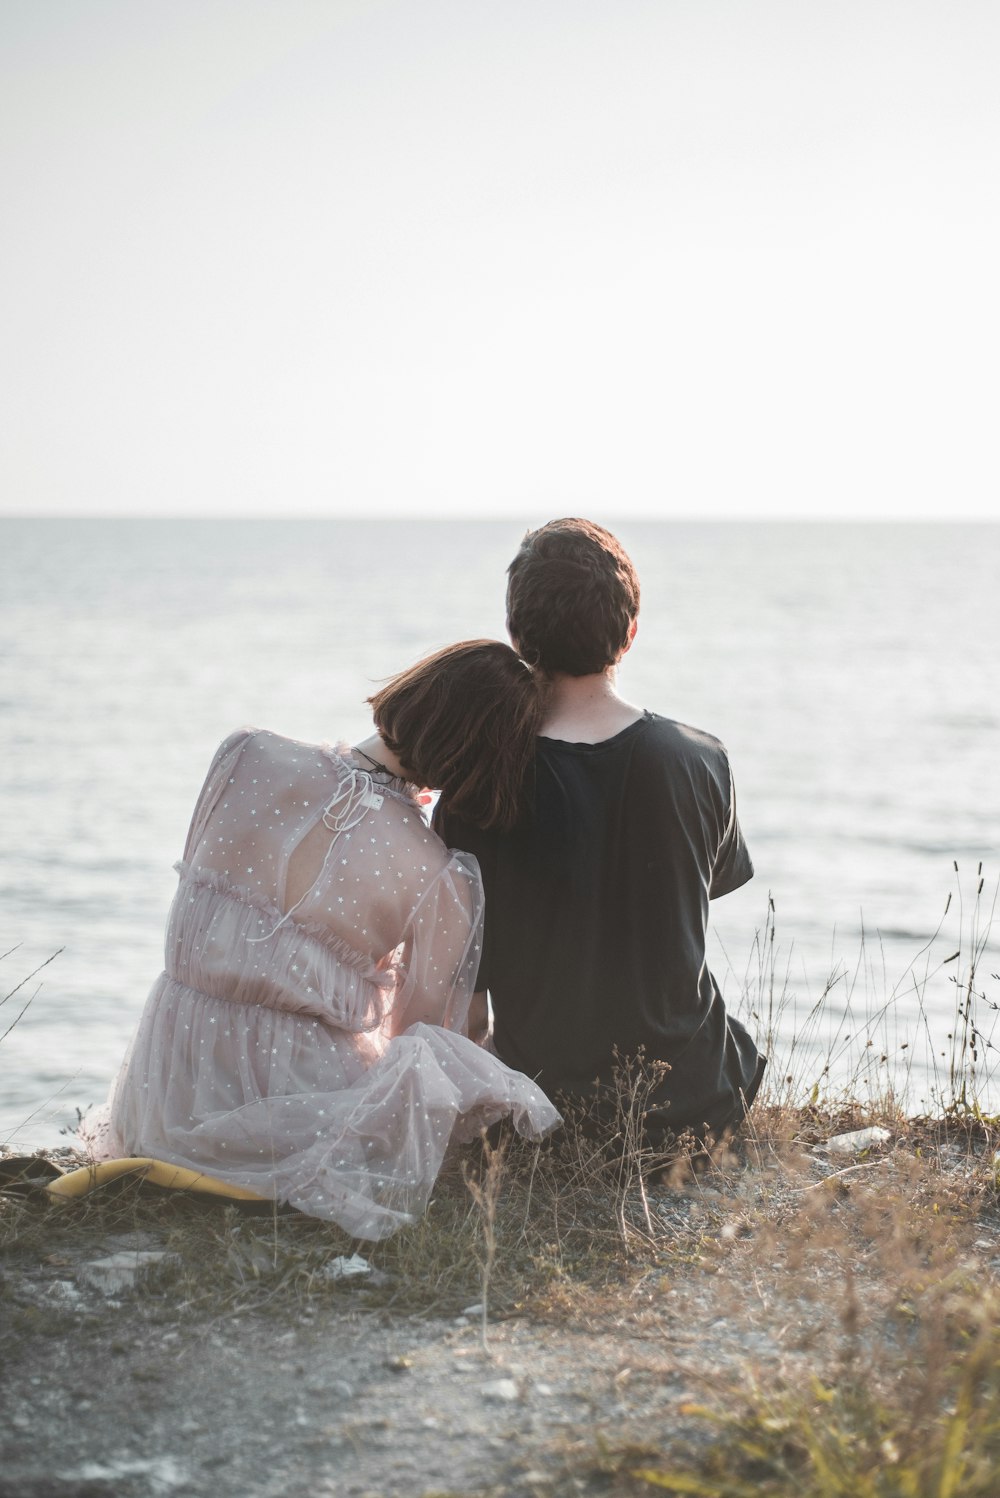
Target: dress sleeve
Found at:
x=441, y=949
x=219, y=771
x=483, y=848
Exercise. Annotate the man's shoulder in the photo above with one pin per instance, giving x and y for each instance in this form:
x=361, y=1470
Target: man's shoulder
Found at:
x=668, y=736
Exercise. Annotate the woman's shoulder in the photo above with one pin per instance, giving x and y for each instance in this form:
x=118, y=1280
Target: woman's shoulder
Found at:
x=414, y=850
x=254, y=760
x=265, y=744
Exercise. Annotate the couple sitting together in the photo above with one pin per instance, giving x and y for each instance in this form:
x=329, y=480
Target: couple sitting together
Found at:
x=320, y=1035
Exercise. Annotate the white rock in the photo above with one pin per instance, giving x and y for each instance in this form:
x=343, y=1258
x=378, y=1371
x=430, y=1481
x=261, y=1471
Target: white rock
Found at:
x=857, y=1140
x=502, y=1390
x=162, y=1473
x=122, y=1271
x=63, y=1290
x=343, y=1268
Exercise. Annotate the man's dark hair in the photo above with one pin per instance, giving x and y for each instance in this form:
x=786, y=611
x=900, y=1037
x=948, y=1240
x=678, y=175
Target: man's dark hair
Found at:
x=572, y=597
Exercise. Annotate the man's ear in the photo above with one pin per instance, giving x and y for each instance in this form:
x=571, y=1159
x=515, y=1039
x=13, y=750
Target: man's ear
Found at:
x=631, y=635
x=510, y=636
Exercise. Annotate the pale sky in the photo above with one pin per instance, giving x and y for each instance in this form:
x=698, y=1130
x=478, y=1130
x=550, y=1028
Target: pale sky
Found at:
x=628, y=257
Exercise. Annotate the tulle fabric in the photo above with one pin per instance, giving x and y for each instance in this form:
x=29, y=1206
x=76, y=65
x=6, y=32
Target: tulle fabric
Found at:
x=292, y=967
x=279, y=1051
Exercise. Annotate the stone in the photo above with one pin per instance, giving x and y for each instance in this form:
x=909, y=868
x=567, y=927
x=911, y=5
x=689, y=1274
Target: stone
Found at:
x=344, y=1268
x=501, y=1390
x=122, y=1272
x=857, y=1140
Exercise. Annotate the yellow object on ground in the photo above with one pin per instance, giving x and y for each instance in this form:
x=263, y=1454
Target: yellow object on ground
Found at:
x=157, y=1172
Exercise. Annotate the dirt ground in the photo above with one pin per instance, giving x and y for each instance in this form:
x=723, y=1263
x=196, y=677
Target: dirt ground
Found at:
x=134, y=1400
x=339, y=1404
x=125, y=1391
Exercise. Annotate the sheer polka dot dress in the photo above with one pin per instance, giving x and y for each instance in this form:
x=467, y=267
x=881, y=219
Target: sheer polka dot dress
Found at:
x=305, y=1039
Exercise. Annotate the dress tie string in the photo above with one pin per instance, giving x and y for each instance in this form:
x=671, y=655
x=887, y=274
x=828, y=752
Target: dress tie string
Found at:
x=351, y=802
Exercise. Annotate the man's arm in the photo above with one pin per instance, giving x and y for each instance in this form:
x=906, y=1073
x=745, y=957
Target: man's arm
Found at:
x=482, y=845
x=478, y=1023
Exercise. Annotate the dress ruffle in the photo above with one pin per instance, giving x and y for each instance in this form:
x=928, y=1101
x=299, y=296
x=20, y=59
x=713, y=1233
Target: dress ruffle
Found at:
x=295, y=966
x=332, y=1124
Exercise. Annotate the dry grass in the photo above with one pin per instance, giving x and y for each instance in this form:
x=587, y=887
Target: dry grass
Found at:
x=872, y=1264
x=876, y=1273
x=508, y=1226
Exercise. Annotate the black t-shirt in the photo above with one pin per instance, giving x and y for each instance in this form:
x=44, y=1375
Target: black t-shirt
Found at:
x=596, y=919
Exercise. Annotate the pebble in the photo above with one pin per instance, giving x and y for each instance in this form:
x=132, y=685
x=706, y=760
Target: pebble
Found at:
x=332, y=1388
x=856, y=1141
x=503, y=1390
x=344, y=1268
x=63, y=1290
x=123, y=1271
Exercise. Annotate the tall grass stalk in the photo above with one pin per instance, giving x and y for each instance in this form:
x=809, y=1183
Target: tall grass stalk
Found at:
x=924, y=1042
x=484, y=1187
x=18, y=986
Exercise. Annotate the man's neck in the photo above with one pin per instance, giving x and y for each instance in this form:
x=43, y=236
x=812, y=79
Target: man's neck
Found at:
x=586, y=709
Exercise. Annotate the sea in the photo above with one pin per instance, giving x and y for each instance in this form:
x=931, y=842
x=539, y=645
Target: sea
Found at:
x=851, y=670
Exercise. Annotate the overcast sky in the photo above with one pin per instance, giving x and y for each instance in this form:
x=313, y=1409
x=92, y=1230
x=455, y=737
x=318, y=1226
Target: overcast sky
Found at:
x=633, y=257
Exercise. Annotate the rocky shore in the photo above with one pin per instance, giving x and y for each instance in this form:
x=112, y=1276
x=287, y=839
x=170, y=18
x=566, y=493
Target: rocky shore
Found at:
x=155, y=1346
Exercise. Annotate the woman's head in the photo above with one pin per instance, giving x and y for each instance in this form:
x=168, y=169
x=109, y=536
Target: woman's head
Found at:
x=464, y=722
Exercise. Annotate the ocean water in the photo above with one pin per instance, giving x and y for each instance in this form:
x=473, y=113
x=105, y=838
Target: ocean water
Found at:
x=852, y=671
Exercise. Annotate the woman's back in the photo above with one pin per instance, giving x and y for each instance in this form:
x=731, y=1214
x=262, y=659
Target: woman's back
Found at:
x=301, y=878
x=267, y=817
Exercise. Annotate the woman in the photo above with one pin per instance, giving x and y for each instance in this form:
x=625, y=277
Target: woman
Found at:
x=306, y=1039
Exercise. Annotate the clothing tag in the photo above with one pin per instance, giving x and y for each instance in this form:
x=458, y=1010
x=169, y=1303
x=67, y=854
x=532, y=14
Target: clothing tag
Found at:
x=374, y=799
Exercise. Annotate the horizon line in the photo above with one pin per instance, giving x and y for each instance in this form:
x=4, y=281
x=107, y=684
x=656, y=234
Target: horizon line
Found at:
x=495, y=518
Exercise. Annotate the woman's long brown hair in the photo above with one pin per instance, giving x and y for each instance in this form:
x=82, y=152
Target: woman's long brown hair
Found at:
x=464, y=722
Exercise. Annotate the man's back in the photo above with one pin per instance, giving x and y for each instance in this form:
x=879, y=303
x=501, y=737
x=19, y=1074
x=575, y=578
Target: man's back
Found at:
x=596, y=917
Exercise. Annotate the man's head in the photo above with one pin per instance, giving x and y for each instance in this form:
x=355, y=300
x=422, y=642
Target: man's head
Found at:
x=572, y=598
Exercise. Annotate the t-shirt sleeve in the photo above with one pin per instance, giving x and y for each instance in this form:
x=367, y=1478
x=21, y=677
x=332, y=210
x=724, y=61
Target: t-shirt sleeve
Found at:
x=732, y=865
x=456, y=834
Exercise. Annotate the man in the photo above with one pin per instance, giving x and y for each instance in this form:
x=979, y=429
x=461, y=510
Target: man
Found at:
x=597, y=901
